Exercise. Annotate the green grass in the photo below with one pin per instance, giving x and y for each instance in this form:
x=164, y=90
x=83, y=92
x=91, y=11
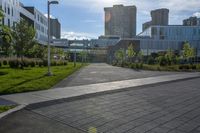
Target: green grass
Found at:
x=33, y=79
x=5, y=108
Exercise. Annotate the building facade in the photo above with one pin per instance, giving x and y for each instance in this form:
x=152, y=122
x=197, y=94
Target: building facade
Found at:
x=192, y=21
x=14, y=11
x=11, y=12
x=158, y=17
x=120, y=21
x=55, y=28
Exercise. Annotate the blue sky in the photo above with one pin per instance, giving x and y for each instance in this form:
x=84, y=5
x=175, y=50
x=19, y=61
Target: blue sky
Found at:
x=85, y=18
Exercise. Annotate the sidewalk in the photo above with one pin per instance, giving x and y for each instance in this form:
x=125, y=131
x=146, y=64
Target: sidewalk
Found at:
x=75, y=91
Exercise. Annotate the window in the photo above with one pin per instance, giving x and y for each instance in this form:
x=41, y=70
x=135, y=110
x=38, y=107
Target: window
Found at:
x=12, y=12
x=8, y=10
x=8, y=22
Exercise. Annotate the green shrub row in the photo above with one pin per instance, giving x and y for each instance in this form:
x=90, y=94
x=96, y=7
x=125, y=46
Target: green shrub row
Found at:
x=162, y=67
x=26, y=62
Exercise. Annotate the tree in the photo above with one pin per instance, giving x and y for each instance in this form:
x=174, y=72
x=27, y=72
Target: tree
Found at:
x=131, y=52
x=120, y=55
x=6, y=40
x=23, y=38
x=188, y=51
x=140, y=56
x=83, y=55
x=5, y=35
x=38, y=51
x=1, y=16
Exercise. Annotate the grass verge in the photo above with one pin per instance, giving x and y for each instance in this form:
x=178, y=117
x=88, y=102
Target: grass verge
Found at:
x=5, y=108
x=33, y=79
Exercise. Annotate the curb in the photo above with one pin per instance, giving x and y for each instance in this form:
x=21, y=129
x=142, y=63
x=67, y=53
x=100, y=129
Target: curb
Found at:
x=17, y=108
x=74, y=98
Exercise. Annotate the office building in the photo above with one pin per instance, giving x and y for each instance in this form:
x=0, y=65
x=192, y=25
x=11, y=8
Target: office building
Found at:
x=158, y=17
x=192, y=21
x=120, y=21
x=14, y=11
x=55, y=28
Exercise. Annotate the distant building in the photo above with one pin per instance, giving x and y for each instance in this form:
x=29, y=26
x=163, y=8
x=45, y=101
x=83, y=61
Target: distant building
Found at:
x=192, y=21
x=146, y=25
x=55, y=29
x=158, y=17
x=120, y=21
x=14, y=11
x=40, y=24
x=157, y=39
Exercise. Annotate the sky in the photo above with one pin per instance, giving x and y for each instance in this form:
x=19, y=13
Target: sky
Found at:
x=84, y=19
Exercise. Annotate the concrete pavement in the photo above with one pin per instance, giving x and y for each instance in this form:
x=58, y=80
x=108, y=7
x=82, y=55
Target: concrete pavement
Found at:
x=76, y=91
x=101, y=73
x=163, y=108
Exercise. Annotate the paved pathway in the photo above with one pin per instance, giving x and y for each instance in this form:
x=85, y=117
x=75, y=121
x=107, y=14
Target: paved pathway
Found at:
x=101, y=73
x=163, y=108
x=75, y=91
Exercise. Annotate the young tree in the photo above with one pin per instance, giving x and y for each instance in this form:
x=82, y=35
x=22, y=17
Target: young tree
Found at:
x=188, y=51
x=38, y=51
x=6, y=40
x=131, y=52
x=140, y=56
x=23, y=38
x=83, y=55
x=120, y=55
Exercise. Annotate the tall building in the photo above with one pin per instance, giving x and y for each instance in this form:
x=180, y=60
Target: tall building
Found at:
x=192, y=21
x=158, y=17
x=55, y=28
x=120, y=21
x=14, y=11
x=11, y=13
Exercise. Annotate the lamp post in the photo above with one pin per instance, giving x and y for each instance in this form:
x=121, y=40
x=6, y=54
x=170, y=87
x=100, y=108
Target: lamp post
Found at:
x=49, y=51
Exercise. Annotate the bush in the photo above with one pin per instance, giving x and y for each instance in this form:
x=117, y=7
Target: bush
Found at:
x=65, y=63
x=5, y=62
x=151, y=61
x=14, y=63
x=184, y=67
x=0, y=64
x=53, y=63
x=163, y=61
x=40, y=63
x=45, y=63
x=32, y=63
x=25, y=62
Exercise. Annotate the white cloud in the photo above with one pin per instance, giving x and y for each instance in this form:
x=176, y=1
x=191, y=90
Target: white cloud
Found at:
x=197, y=14
x=51, y=16
x=77, y=35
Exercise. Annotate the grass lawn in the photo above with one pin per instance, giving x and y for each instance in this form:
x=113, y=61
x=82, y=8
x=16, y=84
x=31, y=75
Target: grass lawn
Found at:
x=5, y=108
x=32, y=79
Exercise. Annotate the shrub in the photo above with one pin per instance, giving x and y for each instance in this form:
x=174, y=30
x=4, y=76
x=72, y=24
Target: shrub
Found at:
x=198, y=66
x=0, y=64
x=193, y=67
x=14, y=63
x=45, y=63
x=65, y=63
x=53, y=63
x=40, y=63
x=5, y=62
x=163, y=61
x=32, y=63
x=184, y=67
x=151, y=61
x=25, y=62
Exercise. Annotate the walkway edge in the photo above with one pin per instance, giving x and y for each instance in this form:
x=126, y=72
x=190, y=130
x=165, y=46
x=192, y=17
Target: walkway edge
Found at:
x=73, y=98
x=17, y=108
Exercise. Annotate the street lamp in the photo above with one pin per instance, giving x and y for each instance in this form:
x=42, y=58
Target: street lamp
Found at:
x=49, y=52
